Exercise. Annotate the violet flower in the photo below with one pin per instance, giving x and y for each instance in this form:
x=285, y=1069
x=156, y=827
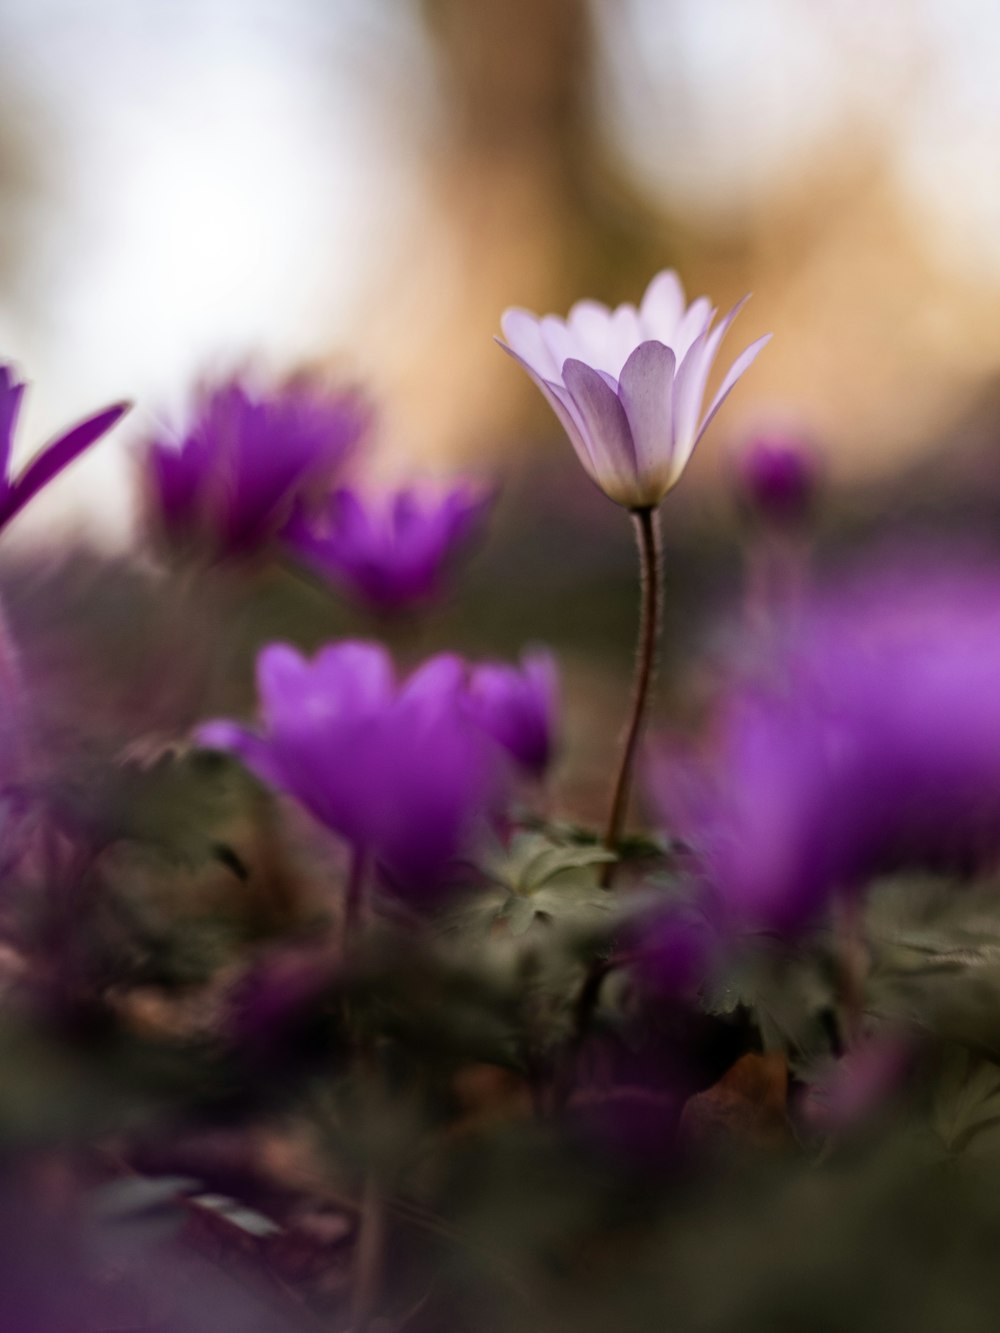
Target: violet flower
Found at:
x=872, y=742
x=628, y=385
x=398, y=771
x=16, y=492
x=518, y=707
x=391, y=553
x=777, y=477
x=229, y=484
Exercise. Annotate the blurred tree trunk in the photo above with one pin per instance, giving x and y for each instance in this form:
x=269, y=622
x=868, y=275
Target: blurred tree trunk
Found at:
x=516, y=214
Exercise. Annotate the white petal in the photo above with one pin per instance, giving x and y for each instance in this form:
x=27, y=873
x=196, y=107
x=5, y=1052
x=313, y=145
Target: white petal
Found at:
x=696, y=321
x=739, y=367
x=662, y=307
x=692, y=380
x=565, y=409
x=523, y=332
x=560, y=341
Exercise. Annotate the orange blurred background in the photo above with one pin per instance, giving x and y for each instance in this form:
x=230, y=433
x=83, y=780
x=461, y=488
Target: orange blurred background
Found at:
x=368, y=183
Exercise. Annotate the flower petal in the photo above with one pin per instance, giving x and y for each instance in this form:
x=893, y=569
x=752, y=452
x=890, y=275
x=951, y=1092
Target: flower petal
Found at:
x=565, y=409
x=11, y=393
x=691, y=379
x=608, y=431
x=646, y=393
x=523, y=332
x=662, y=306
x=56, y=456
x=739, y=367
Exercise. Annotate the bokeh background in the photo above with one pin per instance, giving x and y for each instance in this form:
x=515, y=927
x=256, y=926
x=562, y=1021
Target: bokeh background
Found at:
x=363, y=185
x=369, y=182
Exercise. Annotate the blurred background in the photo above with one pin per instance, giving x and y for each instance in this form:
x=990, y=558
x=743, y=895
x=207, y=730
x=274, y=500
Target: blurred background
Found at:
x=368, y=183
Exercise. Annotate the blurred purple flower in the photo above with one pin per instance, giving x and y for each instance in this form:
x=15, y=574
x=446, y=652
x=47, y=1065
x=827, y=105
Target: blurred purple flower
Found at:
x=392, y=553
x=850, y=1092
x=872, y=743
x=16, y=492
x=777, y=478
x=628, y=385
x=518, y=707
x=229, y=485
x=398, y=771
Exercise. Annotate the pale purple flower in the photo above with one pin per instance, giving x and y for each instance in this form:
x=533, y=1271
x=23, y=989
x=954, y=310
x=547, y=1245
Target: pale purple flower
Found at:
x=628, y=385
x=391, y=552
x=229, y=484
x=15, y=492
x=397, y=770
x=519, y=707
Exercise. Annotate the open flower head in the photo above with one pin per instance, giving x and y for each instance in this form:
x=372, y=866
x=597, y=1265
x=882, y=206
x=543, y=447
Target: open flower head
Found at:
x=397, y=770
x=390, y=552
x=228, y=485
x=628, y=385
x=15, y=492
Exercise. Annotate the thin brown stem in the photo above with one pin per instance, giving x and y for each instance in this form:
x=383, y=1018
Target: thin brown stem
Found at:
x=851, y=965
x=647, y=533
x=368, y=1254
x=354, y=899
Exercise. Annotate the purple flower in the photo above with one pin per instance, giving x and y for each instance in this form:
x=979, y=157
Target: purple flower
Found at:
x=396, y=770
x=871, y=742
x=391, y=553
x=628, y=385
x=518, y=707
x=15, y=493
x=229, y=485
x=777, y=478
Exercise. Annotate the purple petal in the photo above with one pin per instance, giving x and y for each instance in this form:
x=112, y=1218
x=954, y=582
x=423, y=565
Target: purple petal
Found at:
x=254, y=752
x=57, y=456
x=565, y=409
x=11, y=393
x=646, y=391
x=608, y=431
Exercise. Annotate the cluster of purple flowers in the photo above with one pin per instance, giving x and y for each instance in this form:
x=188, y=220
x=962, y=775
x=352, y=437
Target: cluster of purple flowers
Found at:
x=259, y=469
x=409, y=774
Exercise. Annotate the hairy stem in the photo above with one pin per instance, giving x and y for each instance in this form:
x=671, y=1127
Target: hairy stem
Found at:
x=647, y=533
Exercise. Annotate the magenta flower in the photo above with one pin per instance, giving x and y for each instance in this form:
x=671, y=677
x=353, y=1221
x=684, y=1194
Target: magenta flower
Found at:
x=518, y=707
x=628, y=385
x=397, y=771
x=229, y=485
x=391, y=553
x=15, y=493
x=777, y=476
x=871, y=741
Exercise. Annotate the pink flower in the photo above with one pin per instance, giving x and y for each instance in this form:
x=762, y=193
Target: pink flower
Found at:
x=628, y=385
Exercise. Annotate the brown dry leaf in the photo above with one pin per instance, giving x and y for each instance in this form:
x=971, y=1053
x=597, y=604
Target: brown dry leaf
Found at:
x=749, y=1104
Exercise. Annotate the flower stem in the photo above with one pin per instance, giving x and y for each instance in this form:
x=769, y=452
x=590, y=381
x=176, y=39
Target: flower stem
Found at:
x=851, y=965
x=368, y=1255
x=647, y=531
x=354, y=899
